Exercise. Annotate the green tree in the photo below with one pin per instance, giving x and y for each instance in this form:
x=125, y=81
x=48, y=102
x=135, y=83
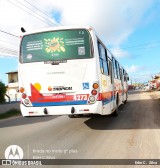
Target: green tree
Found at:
x=2, y=92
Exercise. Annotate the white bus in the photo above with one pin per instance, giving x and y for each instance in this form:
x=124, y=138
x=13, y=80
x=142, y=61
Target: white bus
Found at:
x=69, y=71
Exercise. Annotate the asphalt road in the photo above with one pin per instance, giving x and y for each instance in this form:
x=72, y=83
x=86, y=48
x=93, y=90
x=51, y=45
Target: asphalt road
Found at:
x=134, y=134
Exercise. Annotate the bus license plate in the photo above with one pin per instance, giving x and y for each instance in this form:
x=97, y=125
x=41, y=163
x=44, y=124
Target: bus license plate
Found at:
x=59, y=96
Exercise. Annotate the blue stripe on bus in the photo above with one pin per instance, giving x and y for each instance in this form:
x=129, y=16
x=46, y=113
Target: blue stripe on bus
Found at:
x=37, y=104
x=83, y=102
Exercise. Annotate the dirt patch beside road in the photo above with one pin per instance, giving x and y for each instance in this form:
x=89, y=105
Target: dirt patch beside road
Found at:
x=155, y=95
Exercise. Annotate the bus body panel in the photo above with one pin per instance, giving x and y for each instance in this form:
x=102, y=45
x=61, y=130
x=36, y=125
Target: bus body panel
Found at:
x=76, y=84
x=107, y=94
x=71, y=75
x=118, y=90
x=56, y=89
x=62, y=110
x=125, y=79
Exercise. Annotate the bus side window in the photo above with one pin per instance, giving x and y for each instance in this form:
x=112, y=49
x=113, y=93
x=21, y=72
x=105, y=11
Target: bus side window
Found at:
x=103, y=59
x=125, y=78
x=100, y=59
x=110, y=71
x=118, y=70
x=101, y=65
x=121, y=74
x=114, y=68
x=124, y=74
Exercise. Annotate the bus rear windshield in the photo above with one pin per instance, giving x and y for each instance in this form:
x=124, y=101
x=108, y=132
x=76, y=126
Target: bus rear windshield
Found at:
x=55, y=46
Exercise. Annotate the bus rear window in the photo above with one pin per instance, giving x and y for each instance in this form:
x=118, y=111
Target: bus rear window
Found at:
x=56, y=45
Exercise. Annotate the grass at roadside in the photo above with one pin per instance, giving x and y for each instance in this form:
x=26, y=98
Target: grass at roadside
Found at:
x=10, y=113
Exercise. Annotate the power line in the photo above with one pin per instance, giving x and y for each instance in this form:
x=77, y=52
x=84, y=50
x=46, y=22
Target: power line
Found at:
x=41, y=11
x=8, y=42
x=36, y=12
x=140, y=75
x=28, y=12
x=146, y=44
x=139, y=47
x=8, y=33
x=8, y=54
x=31, y=13
x=144, y=48
x=6, y=49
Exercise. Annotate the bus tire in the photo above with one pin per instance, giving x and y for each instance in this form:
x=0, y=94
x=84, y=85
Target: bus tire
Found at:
x=126, y=99
x=116, y=112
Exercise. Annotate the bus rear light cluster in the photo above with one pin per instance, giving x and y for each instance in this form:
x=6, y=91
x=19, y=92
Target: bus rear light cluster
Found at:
x=26, y=101
x=21, y=90
x=92, y=99
x=95, y=86
x=24, y=96
x=94, y=92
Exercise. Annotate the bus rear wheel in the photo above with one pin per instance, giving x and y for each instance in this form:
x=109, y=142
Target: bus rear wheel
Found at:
x=126, y=99
x=116, y=112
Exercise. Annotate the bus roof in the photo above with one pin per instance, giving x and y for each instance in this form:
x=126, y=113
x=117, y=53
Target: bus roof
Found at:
x=57, y=28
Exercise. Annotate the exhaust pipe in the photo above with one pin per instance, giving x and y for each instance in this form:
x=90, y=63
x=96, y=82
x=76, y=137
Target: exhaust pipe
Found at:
x=45, y=111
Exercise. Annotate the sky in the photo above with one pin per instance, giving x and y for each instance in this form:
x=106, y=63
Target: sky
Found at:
x=129, y=28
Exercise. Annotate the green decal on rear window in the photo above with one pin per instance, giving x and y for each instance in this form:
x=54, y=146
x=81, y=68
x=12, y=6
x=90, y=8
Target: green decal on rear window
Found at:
x=56, y=45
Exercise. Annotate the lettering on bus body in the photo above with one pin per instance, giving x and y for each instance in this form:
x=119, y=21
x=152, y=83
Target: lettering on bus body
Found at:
x=60, y=88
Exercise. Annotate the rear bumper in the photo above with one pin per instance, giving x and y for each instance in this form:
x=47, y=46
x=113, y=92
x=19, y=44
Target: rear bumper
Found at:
x=62, y=110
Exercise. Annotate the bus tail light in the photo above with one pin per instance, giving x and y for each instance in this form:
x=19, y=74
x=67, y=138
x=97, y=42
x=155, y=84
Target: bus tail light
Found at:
x=95, y=86
x=21, y=90
x=94, y=92
x=24, y=96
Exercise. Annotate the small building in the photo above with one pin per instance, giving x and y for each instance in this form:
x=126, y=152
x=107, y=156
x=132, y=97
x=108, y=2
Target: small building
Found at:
x=13, y=86
x=155, y=82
